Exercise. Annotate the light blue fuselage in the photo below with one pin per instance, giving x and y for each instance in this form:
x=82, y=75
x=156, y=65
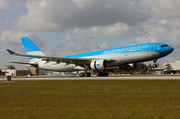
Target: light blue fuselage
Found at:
x=130, y=54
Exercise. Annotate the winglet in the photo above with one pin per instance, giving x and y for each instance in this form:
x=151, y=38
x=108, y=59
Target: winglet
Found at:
x=11, y=52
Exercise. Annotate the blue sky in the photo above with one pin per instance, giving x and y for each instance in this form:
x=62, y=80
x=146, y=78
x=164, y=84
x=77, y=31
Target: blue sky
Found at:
x=68, y=27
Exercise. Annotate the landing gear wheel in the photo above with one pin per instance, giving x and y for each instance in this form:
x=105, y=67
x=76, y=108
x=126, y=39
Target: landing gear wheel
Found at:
x=102, y=74
x=155, y=65
x=81, y=74
x=106, y=74
x=87, y=74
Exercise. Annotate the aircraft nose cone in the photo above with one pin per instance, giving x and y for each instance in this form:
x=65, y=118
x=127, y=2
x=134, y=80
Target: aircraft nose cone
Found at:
x=171, y=49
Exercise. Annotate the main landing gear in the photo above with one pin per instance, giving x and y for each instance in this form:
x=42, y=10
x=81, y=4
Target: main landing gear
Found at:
x=104, y=73
x=85, y=74
x=88, y=74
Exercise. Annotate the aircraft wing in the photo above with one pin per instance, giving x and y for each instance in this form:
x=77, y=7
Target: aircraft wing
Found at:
x=68, y=60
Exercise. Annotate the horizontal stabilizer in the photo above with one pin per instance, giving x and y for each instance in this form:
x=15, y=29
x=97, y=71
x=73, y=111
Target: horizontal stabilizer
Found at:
x=11, y=52
x=34, y=65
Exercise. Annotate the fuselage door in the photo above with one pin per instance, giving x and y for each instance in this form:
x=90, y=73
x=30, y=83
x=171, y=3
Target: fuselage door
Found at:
x=152, y=48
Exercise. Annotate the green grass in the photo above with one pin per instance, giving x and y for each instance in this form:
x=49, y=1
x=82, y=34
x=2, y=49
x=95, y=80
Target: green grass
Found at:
x=90, y=99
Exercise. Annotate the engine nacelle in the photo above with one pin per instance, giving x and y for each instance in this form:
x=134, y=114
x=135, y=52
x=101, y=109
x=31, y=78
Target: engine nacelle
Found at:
x=129, y=66
x=99, y=64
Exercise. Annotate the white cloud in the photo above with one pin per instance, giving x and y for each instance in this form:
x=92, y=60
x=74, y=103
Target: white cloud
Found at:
x=13, y=37
x=3, y=23
x=65, y=48
x=105, y=46
x=159, y=30
x=4, y=5
x=45, y=15
x=21, y=1
x=109, y=6
x=163, y=8
x=83, y=3
x=116, y=30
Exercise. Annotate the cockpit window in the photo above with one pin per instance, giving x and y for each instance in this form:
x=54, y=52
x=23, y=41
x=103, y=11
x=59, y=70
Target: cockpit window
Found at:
x=164, y=46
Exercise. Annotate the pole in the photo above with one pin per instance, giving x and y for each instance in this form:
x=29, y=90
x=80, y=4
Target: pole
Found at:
x=5, y=68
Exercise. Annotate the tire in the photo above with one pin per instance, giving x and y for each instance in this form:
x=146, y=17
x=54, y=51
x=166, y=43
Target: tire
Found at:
x=89, y=74
x=155, y=66
x=106, y=74
x=100, y=74
x=81, y=74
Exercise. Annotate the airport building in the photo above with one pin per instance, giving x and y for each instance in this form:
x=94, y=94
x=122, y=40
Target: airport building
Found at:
x=32, y=72
x=169, y=68
x=22, y=72
x=10, y=72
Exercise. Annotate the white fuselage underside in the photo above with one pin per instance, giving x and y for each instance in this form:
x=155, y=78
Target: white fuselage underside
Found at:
x=118, y=59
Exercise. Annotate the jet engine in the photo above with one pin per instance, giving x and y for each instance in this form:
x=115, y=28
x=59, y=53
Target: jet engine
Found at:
x=99, y=64
x=129, y=66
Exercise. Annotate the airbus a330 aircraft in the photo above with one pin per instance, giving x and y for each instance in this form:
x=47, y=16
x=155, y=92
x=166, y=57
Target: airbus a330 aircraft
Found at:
x=98, y=61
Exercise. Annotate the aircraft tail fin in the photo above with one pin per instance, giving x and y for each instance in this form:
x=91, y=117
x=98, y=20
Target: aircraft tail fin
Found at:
x=31, y=49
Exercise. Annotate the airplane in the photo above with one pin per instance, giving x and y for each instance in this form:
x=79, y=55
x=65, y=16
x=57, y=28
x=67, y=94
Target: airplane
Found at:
x=98, y=61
